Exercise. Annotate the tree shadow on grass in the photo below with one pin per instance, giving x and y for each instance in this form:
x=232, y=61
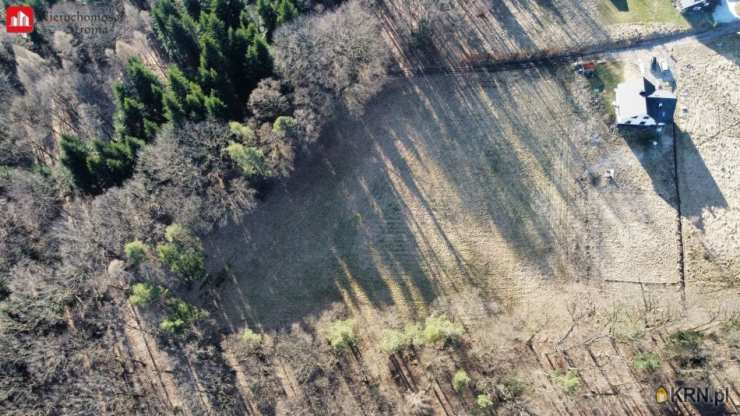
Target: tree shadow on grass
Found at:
x=379, y=215
x=698, y=189
x=462, y=33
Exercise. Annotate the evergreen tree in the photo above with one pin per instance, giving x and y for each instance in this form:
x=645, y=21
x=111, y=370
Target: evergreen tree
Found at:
x=259, y=61
x=175, y=26
x=184, y=99
x=100, y=166
x=228, y=11
x=268, y=16
x=74, y=156
x=211, y=72
x=114, y=161
x=193, y=8
x=286, y=11
x=139, y=110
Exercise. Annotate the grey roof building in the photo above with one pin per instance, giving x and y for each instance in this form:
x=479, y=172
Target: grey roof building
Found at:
x=638, y=103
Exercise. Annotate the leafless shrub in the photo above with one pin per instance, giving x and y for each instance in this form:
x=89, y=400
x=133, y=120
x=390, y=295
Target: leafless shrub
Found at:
x=269, y=100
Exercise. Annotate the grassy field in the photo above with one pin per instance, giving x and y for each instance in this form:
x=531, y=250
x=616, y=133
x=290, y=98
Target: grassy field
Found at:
x=507, y=202
x=641, y=11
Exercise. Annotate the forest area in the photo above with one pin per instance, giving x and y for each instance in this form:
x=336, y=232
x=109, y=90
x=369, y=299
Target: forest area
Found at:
x=120, y=152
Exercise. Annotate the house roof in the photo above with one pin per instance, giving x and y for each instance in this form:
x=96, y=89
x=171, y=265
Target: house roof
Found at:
x=687, y=4
x=631, y=107
x=639, y=103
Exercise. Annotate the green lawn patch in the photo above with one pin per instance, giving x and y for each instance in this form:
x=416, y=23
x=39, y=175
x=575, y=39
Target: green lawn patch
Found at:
x=641, y=11
x=604, y=82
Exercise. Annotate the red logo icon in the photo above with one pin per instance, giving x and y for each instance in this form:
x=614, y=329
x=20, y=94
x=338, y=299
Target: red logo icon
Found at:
x=19, y=19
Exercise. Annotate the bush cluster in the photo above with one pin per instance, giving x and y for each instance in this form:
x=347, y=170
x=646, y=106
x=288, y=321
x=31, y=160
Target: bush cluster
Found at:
x=460, y=380
x=568, y=380
x=341, y=334
x=436, y=329
x=182, y=253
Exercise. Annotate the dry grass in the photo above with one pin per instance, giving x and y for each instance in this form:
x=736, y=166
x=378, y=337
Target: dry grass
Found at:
x=482, y=197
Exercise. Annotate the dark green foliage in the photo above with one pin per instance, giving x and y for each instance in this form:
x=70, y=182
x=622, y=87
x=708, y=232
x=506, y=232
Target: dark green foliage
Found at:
x=184, y=100
x=193, y=8
x=686, y=347
x=113, y=162
x=274, y=13
x=100, y=166
x=139, y=110
x=139, y=114
x=181, y=316
x=74, y=156
x=286, y=11
x=267, y=13
x=222, y=52
x=176, y=27
x=182, y=253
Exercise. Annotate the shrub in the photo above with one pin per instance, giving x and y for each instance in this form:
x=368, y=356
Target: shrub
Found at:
x=243, y=132
x=181, y=316
x=250, y=337
x=647, y=361
x=341, y=334
x=135, y=252
x=460, y=380
x=183, y=253
x=567, y=380
x=512, y=386
x=250, y=160
x=439, y=328
x=285, y=126
x=176, y=232
x=686, y=347
x=483, y=401
x=243, y=344
x=143, y=294
x=395, y=341
x=731, y=329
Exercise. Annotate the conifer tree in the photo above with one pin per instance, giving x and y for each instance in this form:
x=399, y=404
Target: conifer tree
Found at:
x=176, y=28
x=139, y=110
x=74, y=156
x=184, y=99
x=268, y=16
x=286, y=11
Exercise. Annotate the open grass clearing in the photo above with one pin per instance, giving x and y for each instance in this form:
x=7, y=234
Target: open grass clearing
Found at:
x=641, y=11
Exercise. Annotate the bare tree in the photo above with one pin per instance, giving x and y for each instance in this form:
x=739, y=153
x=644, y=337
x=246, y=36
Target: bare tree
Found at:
x=190, y=178
x=337, y=56
x=269, y=100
